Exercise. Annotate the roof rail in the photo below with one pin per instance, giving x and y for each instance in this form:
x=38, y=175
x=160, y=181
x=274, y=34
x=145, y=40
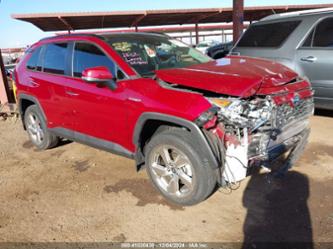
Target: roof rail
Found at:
x=298, y=13
x=71, y=35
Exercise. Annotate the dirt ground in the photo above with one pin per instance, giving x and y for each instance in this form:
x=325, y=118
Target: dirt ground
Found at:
x=75, y=193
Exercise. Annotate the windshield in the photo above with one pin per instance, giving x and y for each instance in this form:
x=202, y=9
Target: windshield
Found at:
x=147, y=53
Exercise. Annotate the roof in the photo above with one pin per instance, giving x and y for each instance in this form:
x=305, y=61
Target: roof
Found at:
x=173, y=29
x=106, y=36
x=298, y=13
x=117, y=19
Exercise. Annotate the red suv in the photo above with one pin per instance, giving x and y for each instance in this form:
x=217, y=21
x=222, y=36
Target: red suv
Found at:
x=192, y=121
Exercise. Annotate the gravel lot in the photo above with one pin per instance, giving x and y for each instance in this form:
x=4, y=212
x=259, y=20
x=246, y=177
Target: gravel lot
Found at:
x=76, y=193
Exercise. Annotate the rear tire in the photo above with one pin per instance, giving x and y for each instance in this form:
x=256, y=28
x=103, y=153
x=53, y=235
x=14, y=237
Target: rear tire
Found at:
x=175, y=166
x=37, y=129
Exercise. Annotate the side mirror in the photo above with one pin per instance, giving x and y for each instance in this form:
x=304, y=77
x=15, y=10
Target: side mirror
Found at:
x=100, y=75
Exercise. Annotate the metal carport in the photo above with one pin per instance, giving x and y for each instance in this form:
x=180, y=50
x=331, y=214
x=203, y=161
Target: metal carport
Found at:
x=122, y=19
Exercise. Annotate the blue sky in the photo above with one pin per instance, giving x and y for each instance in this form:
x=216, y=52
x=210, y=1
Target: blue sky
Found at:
x=16, y=33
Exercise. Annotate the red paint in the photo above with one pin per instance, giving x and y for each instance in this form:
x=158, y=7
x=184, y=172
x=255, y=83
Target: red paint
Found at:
x=98, y=73
x=112, y=115
x=211, y=123
x=235, y=76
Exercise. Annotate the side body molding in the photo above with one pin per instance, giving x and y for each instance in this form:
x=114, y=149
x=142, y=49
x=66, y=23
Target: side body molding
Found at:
x=201, y=141
x=92, y=141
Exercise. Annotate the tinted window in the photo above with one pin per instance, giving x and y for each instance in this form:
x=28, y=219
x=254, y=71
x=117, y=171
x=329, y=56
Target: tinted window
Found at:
x=268, y=35
x=324, y=34
x=33, y=60
x=88, y=55
x=55, y=58
x=308, y=41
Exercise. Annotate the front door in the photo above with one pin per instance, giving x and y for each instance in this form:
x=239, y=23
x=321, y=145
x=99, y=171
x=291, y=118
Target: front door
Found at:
x=99, y=112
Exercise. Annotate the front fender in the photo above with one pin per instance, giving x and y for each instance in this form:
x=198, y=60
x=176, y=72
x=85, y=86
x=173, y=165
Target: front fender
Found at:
x=209, y=157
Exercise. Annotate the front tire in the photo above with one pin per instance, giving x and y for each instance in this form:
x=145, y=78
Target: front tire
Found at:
x=37, y=130
x=176, y=167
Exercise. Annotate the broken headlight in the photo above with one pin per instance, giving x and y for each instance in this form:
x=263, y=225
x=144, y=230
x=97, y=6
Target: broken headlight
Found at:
x=206, y=116
x=244, y=113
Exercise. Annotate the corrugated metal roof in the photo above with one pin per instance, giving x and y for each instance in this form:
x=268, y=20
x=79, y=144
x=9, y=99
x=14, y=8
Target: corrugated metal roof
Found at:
x=167, y=29
x=121, y=19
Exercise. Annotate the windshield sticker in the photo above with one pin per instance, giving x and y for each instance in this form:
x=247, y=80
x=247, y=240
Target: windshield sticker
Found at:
x=122, y=46
x=133, y=58
x=150, y=52
x=223, y=62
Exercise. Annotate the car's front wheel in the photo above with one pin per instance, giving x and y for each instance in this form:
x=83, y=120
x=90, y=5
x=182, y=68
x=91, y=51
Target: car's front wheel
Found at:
x=176, y=167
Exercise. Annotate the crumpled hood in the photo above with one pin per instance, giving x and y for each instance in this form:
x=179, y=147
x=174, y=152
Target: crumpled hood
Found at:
x=232, y=75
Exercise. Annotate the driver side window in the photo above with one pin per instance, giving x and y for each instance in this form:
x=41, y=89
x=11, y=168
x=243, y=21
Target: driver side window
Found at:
x=87, y=55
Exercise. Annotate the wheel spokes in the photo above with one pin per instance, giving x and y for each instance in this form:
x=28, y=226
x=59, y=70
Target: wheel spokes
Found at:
x=164, y=153
x=186, y=180
x=173, y=186
x=160, y=170
x=32, y=119
x=180, y=161
x=34, y=128
x=41, y=133
x=172, y=170
x=31, y=129
x=39, y=137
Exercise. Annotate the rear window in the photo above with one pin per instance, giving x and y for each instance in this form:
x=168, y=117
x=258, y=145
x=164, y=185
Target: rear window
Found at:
x=33, y=60
x=55, y=58
x=268, y=35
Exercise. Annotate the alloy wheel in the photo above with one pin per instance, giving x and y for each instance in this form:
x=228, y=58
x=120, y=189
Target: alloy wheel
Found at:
x=34, y=129
x=172, y=170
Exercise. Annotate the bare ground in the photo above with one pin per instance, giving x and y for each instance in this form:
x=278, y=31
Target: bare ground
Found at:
x=75, y=193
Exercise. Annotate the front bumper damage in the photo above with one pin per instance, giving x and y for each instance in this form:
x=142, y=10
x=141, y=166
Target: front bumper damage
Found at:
x=291, y=142
x=239, y=149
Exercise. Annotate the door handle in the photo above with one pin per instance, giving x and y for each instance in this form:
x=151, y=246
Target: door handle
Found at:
x=309, y=59
x=72, y=93
x=134, y=99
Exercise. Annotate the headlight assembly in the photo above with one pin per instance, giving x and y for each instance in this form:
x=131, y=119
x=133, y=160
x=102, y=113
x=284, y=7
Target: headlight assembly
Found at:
x=206, y=116
x=243, y=113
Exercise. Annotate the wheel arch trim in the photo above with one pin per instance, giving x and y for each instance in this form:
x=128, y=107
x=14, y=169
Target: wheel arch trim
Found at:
x=199, y=136
x=24, y=96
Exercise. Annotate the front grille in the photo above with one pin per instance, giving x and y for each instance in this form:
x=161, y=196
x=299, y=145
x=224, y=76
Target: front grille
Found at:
x=285, y=114
x=282, y=116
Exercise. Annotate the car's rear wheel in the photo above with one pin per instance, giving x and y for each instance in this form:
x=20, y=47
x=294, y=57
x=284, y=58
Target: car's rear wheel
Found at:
x=176, y=168
x=37, y=130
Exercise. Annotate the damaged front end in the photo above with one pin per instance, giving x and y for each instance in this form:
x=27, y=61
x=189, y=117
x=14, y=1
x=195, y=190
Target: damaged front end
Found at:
x=255, y=131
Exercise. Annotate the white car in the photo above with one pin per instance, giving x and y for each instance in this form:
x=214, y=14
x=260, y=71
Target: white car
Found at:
x=205, y=45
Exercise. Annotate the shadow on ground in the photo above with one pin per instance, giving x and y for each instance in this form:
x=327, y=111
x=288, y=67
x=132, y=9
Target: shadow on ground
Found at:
x=277, y=212
x=324, y=113
x=143, y=190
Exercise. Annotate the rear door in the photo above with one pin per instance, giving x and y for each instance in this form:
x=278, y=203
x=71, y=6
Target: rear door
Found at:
x=98, y=111
x=46, y=80
x=55, y=71
x=315, y=58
